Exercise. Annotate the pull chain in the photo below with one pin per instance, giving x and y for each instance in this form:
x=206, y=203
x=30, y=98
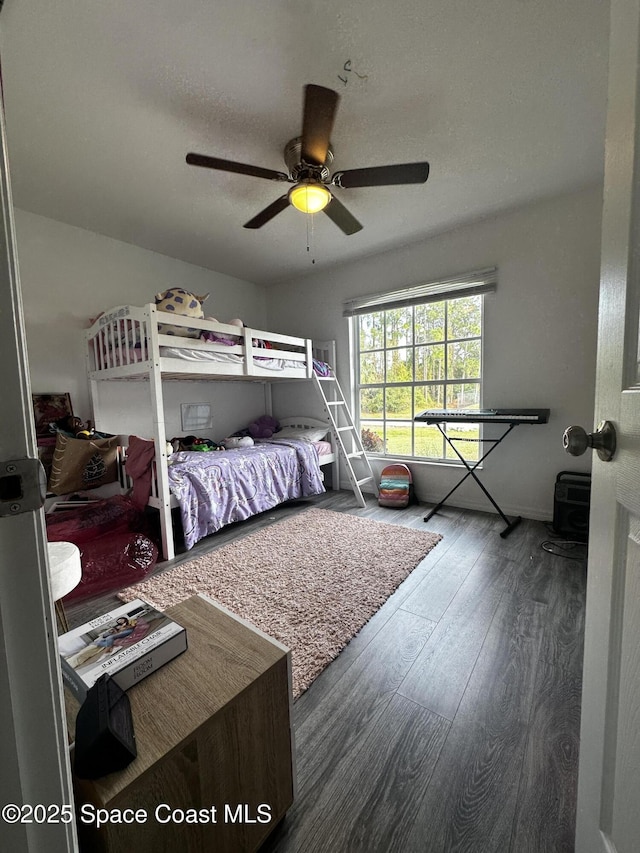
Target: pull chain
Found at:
x=310, y=246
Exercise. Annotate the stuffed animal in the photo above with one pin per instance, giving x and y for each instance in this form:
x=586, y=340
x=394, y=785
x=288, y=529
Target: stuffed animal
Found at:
x=263, y=427
x=72, y=426
x=192, y=442
x=235, y=441
x=236, y=322
x=179, y=301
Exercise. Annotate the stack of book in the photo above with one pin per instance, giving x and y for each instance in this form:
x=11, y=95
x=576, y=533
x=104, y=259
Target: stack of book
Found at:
x=128, y=643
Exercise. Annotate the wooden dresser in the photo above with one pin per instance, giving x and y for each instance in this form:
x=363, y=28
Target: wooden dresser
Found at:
x=214, y=740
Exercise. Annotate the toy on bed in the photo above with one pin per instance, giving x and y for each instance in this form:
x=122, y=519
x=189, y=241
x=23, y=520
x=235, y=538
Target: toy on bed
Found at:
x=204, y=445
x=233, y=442
x=179, y=301
x=263, y=427
x=74, y=428
x=192, y=442
x=223, y=337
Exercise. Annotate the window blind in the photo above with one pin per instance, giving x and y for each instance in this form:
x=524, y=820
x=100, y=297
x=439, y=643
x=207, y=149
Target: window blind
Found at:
x=468, y=284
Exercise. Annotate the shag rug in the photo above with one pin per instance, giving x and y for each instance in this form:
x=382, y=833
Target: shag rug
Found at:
x=310, y=581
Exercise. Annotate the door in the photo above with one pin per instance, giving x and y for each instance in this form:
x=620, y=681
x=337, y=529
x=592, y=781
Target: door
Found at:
x=608, y=816
x=34, y=767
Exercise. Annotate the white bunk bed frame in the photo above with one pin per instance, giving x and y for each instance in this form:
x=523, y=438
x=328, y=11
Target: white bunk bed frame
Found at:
x=123, y=345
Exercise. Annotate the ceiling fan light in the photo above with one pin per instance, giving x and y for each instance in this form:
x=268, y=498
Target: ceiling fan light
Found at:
x=309, y=198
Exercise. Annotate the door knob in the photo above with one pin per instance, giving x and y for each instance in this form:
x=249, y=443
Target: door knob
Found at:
x=576, y=440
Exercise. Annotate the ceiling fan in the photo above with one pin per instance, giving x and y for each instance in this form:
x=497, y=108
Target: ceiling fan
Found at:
x=308, y=158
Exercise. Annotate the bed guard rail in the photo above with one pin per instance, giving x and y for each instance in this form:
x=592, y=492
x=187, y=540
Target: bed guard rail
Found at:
x=124, y=337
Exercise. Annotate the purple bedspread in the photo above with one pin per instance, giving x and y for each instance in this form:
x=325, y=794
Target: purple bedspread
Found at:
x=220, y=487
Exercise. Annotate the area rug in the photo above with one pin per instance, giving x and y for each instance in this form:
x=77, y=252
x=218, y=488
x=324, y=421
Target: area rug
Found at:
x=310, y=581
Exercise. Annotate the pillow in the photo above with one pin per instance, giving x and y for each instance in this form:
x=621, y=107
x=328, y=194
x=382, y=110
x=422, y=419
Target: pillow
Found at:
x=310, y=435
x=79, y=463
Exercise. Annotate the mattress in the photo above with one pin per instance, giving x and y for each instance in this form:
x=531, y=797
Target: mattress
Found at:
x=323, y=447
x=133, y=355
x=199, y=355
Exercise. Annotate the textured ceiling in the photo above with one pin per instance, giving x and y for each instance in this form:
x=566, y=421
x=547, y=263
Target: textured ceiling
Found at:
x=505, y=99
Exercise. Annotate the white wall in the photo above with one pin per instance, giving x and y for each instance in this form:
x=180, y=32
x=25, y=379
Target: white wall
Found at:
x=70, y=275
x=540, y=329
x=540, y=334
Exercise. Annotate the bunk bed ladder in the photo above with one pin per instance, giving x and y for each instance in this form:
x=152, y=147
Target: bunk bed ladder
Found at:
x=346, y=435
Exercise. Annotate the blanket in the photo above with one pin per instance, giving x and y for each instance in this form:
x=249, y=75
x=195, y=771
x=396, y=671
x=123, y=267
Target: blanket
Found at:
x=215, y=489
x=140, y=455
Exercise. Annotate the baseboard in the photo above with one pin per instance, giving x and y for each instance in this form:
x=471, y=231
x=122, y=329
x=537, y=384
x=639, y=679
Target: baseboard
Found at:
x=534, y=513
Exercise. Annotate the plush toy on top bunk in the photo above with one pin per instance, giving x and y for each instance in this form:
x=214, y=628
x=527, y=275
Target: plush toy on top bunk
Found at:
x=179, y=301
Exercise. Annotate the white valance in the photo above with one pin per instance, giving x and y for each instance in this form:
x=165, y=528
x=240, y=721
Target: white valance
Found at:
x=468, y=284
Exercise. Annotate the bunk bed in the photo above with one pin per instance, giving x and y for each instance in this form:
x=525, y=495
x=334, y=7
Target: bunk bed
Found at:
x=130, y=344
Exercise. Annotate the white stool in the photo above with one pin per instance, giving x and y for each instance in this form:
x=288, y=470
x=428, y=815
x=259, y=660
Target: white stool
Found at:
x=65, y=572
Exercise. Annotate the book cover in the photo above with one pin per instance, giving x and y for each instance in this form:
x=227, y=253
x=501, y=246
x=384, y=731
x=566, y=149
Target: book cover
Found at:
x=129, y=643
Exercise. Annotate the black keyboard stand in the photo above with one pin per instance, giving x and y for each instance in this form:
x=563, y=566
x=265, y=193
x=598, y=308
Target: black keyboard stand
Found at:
x=471, y=472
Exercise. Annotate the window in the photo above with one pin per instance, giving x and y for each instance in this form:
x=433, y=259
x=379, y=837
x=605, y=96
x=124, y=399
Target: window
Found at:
x=412, y=357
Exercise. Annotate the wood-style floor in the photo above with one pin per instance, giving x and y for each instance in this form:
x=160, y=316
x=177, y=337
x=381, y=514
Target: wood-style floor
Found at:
x=451, y=721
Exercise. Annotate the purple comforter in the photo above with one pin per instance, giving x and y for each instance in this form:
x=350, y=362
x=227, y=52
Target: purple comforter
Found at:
x=218, y=488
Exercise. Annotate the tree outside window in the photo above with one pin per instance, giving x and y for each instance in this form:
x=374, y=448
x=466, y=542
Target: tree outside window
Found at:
x=417, y=357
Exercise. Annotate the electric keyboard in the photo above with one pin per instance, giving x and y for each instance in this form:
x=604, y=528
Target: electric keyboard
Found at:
x=486, y=416
x=510, y=418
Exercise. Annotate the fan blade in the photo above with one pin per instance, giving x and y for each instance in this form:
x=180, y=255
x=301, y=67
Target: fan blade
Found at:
x=232, y=166
x=320, y=107
x=380, y=176
x=268, y=213
x=338, y=213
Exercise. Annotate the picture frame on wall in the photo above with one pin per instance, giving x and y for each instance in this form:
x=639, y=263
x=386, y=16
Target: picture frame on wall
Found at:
x=196, y=416
x=48, y=408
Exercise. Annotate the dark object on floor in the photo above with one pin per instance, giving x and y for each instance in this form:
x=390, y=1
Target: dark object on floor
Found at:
x=105, y=741
x=571, y=501
x=114, y=542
